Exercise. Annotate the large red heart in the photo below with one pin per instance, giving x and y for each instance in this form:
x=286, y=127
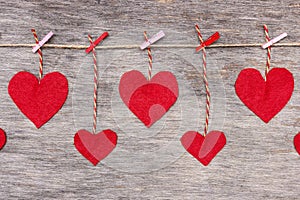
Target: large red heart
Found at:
x=2, y=138
x=95, y=147
x=39, y=101
x=203, y=148
x=297, y=143
x=148, y=100
x=265, y=98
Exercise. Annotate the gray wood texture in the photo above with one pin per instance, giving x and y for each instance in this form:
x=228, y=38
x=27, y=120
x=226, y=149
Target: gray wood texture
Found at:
x=258, y=161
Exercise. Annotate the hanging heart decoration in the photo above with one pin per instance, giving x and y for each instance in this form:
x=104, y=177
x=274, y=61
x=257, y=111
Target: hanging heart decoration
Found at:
x=297, y=143
x=95, y=147
x=2, y=138
x=204, y=149
x=267, y=97
x=38, y=100
x=149, y=100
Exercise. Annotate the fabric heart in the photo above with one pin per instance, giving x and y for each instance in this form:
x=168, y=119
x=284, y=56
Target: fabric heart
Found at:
x=95, y=147
x=38, y=101
x=297, y=143
x=148, y=100
x=2, y=138
x=204, y=149
x=265, y=98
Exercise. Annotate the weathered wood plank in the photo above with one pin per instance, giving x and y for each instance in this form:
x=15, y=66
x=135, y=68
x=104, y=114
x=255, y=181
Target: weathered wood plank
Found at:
x=259, y=160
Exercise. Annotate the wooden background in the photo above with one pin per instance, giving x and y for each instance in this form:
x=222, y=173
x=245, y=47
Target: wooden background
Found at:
x=258, y=161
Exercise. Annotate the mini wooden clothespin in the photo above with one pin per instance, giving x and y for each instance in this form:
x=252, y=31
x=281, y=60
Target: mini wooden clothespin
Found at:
x=42, y=42
x=209, y=41
x=274, y=40
x=96, y=42
x=153, y=39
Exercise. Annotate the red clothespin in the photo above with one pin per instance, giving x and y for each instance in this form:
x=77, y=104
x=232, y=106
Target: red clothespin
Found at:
x=209, y=41
x=96, y=42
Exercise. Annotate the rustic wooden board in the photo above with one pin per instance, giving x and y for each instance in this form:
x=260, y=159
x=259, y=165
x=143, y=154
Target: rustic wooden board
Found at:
x=259, y=160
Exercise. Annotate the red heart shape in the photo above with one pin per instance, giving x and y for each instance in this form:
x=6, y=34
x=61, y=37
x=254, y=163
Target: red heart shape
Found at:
x=148, y=100
x=297, y=143
x=38, y=101
x=2, y=138
x=95, y=147
x=265, y=98
x=203, y=148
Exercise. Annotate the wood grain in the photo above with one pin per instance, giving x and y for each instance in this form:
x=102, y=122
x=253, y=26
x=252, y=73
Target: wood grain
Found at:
x=259, y=160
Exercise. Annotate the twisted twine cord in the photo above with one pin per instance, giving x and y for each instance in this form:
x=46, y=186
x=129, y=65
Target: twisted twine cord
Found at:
x=134, y=46
x=268, y=64
x=40, y=54
x=205, y=81
x=95, y=87
x=149, y=57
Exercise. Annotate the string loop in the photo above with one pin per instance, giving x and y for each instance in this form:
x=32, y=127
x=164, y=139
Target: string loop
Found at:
x=268, y=63
x=95, y=86
x=40, y=54
x=205, y=81
x=149, y=57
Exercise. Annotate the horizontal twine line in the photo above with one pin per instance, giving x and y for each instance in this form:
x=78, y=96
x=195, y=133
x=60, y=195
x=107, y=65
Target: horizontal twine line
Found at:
x=68, y=46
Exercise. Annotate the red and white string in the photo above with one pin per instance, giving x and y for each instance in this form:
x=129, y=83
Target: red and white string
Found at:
x=205, y=81
x=95, y=87
x=40, y=54
x=149, y=57
x=268, y=64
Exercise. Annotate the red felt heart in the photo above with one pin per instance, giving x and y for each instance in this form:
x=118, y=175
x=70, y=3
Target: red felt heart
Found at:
x=148, y=100
x=265, y=98
x=39, y=101
x=297, y=142
x=2, y=138
x=95, y=147
x=203, y=148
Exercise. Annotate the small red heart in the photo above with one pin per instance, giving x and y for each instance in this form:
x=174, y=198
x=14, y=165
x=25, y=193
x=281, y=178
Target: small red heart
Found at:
x=203, y=148
x=2, y=138
x=38, y=101
x=148, y=100
x=95, y=147
x=297, y=142
x=265, y=98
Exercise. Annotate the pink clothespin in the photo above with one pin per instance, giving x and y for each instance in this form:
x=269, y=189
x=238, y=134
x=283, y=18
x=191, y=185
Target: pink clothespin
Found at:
x=42, y=42
x=153, y=39
x=96, y=42
x=274, y=40
x=209, y=41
